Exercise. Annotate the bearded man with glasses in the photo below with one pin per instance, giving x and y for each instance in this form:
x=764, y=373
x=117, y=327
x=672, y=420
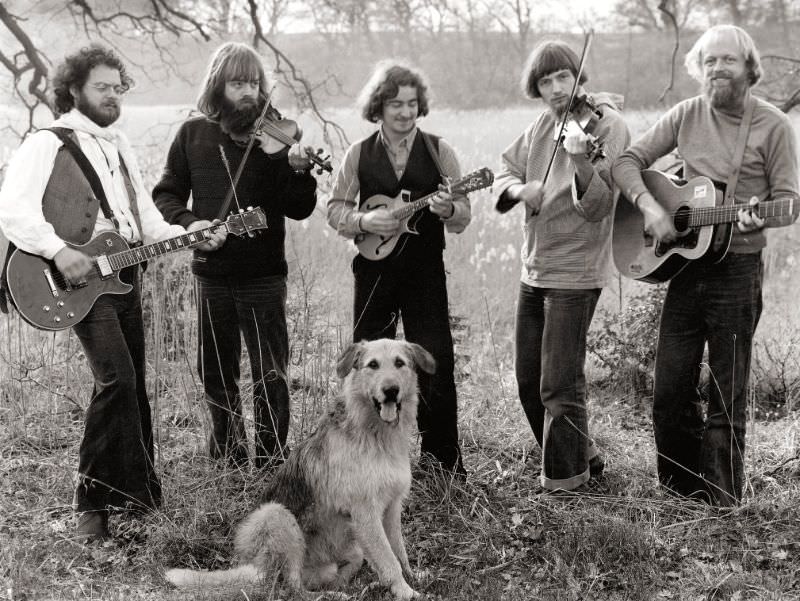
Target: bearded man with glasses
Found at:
x=47, y=200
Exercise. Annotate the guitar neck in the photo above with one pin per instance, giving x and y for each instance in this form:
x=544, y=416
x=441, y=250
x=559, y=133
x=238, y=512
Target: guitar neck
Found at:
x=140, y=254
x=728, y=213
x=412, y=207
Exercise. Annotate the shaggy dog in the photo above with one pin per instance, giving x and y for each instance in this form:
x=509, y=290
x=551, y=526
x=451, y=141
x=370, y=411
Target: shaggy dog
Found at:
x=338, y=497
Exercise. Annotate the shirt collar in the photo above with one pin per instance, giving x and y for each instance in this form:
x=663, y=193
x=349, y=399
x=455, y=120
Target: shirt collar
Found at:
x=408, y=141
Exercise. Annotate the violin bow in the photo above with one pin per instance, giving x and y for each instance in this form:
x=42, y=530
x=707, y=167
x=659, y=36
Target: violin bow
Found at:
x=586, y=43
x=232, y=192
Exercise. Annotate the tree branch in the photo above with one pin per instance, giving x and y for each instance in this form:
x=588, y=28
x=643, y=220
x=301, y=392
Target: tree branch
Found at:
x=291, y=76
x=662, y=6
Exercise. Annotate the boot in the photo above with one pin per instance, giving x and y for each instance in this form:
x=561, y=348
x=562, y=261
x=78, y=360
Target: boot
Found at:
x=92, y=526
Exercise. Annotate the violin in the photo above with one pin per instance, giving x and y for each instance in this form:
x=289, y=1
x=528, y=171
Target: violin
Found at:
x=276, y=134
x=583, y=114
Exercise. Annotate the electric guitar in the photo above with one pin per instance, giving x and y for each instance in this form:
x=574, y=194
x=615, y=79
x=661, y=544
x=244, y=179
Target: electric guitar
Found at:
x=703, y=223
x=376, y=247
x=47, y=300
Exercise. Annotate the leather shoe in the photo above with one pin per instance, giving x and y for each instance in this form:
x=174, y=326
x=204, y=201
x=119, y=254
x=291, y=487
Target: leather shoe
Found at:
x=92, y=526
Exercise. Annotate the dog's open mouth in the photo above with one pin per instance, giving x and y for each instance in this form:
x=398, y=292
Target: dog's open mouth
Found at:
x=388, y=410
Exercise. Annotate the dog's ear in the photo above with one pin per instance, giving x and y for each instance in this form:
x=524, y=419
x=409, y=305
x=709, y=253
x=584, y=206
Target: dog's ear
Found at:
x=422, y=358
x=348, y=360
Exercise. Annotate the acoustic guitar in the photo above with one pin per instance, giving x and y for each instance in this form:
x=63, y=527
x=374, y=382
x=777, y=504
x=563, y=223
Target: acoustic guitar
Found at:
x=703, y=223
x=47, y=300
x=376, y=247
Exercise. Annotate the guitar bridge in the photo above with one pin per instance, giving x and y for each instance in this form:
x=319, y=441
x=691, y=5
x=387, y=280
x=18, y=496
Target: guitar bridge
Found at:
x=51, y=283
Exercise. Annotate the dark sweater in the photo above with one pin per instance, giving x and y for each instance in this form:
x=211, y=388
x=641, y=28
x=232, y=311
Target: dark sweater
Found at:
x=194, y=167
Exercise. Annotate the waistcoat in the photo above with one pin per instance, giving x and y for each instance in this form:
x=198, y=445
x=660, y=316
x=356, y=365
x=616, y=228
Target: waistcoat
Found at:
x=376, y=175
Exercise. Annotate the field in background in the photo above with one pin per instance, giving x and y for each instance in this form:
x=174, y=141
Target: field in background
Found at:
x=493, y=538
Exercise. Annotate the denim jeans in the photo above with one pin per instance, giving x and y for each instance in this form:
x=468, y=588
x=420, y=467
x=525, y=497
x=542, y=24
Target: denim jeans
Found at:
x=551, y=330
x=115, y=464
x=718, y=305
x=386, y=291
x=256, y=310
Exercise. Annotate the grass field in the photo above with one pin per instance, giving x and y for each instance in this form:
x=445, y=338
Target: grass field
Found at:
x=491, y=538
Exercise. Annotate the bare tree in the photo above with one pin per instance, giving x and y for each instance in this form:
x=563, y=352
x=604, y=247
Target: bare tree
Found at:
x=514, y=17
x=647, y=14
x=155, y=23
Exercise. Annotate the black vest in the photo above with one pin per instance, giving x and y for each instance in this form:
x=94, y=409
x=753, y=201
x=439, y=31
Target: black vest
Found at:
x=377, y=176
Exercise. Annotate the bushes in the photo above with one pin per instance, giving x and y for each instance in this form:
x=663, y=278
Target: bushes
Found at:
x=624, y=342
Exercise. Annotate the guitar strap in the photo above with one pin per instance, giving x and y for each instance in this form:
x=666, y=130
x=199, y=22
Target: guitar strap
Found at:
x=434, y=154
x=65, y=135
x=720, y=236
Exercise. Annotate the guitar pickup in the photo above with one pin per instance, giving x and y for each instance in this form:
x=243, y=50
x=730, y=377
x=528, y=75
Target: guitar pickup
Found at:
x=104, y=266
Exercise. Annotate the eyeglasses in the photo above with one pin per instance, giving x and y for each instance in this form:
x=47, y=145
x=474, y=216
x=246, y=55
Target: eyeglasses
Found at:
x=106, y=88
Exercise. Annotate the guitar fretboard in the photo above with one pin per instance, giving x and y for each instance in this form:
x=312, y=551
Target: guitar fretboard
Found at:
x=469, y=183
x=134, y=256
x=728, y=213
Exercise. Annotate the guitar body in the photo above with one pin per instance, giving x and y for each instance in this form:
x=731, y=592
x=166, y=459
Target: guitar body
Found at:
x=373, y=246
x=639, y=256
x=43, y=297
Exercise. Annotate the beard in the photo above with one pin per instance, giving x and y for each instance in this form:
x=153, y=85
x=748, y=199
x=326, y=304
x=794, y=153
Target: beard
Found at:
x=238, y=117
x=104, y=114
x=725, y=91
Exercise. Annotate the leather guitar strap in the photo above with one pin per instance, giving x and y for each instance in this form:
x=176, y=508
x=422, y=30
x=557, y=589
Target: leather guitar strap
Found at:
x=720, y=235
x=88, y=171
x=434, y=154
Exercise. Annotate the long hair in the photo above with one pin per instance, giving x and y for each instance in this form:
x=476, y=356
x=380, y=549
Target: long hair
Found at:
x=231, y=61
x=75, y=69
x=546, y=58
x=752, y=60
x=384, y=85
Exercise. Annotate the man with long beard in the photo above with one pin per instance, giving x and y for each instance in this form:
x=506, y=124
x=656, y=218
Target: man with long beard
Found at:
x=241, y=289
x=718, y=304
x=568, y=206
x=47, y=201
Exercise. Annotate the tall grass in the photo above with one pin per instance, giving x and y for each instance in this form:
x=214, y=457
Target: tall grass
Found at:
x=494, y=537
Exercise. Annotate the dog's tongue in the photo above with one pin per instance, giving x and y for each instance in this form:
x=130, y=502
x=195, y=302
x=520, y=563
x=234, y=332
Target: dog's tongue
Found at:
x=388, y=412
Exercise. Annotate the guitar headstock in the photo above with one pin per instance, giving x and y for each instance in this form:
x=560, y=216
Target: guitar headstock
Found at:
x=246, y=222
x=476, y=180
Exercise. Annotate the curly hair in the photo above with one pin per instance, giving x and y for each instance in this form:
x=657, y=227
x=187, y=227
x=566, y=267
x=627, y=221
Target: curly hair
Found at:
x=75, y=69
x=546, y=58
x=231, y=61
x=752, y=60
x=385, y=84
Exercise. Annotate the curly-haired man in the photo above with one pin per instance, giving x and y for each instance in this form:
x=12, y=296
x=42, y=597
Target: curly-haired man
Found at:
x=410, y=283
x=46, y=202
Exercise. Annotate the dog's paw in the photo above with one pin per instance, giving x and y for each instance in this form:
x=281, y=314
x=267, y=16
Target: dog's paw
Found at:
x=402, y=592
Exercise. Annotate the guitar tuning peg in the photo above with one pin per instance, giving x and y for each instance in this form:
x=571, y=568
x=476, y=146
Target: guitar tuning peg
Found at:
x=250, y=207
x=241, y=210
x=320, y=151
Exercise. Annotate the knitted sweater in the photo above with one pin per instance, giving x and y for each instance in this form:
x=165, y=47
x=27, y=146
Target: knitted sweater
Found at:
x=568, y=243
x=705, y=138
x=195, y=168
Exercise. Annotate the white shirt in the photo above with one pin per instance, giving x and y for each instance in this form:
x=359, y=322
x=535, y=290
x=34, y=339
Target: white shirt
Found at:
x=27, y=174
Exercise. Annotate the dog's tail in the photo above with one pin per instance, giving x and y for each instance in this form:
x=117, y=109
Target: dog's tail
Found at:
x=238, y=576
x=269, y=540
